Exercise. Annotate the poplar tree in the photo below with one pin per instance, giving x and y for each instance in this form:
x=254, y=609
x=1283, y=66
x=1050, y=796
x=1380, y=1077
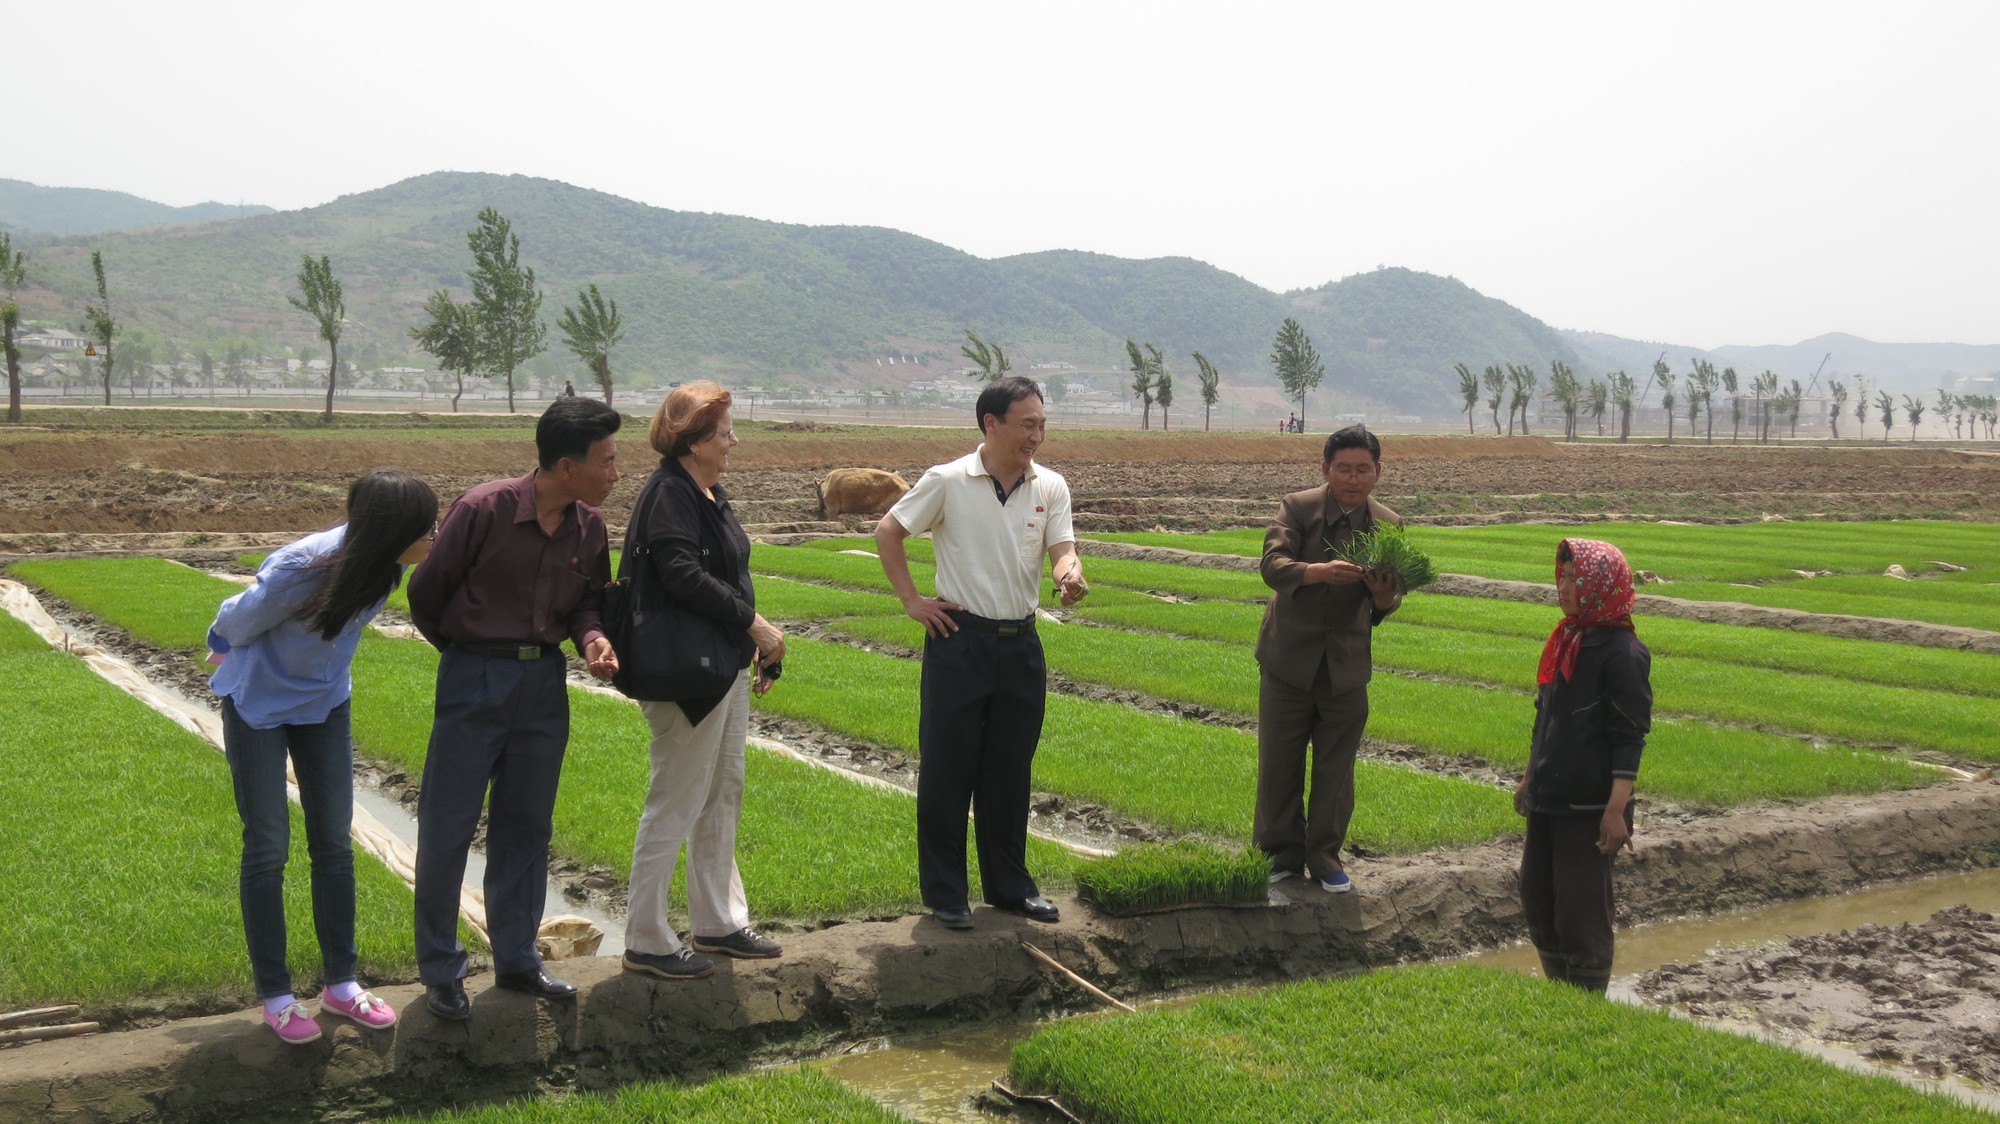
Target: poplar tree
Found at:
x=13, y=274
x=321, y=300
x=506, y=303
x=590, y=330
x=451, y=337
x=1211, y=386
x=1838, y=391
x=1297, y=363
x=1468, y=390
x=991, y=360
x=1163, y=384
x=97, y=321
x=1496, y=389
x=1142, y=380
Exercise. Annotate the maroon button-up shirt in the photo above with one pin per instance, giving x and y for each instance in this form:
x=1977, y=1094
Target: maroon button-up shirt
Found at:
x=495, y=577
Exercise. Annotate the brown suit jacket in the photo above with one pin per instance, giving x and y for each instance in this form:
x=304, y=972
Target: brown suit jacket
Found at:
x=1306, y=625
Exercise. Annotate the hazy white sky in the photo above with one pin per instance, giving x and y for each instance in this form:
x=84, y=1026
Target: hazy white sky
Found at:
x=1698, y=173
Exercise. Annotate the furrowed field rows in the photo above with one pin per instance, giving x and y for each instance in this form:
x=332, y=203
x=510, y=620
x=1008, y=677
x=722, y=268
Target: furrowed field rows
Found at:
x=1853, y=705
x=1179, y=774
x=1687, y=760
x=811, y=844
x=122, y=852
x=1493, y=725
x=1750, y=552
x=1701, y=563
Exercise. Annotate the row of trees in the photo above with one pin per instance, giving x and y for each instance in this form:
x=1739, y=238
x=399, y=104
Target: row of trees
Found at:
x=1152, y=383
x=1767, y=404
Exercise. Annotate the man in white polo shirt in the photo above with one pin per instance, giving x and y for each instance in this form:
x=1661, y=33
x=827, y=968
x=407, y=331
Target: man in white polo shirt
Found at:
x=992, y=514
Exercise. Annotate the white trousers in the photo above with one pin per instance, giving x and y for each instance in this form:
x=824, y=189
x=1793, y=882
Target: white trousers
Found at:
x=696, y=798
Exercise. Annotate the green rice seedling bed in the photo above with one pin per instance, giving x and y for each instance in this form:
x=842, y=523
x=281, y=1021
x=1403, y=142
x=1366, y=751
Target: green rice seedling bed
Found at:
x=807, y=564
x=1441, y=1044
x=811, y=845
x=1150, y=876
x=159, y=602
x=781, y=1095
x=1867, y=661
x=1961, y=603
x=1686, y=760
x=122, y=851
x=1179, y=774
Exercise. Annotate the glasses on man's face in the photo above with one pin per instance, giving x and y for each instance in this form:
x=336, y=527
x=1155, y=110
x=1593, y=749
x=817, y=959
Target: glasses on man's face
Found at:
x=1352, y=472
x=432, y=537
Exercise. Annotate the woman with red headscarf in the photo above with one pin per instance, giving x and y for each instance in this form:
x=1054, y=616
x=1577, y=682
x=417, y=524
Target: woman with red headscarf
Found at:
x=1593, y=708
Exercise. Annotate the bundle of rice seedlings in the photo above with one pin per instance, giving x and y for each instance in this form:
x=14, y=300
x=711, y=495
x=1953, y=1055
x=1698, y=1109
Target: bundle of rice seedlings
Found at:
x=1149, y=876
x=1387, y=550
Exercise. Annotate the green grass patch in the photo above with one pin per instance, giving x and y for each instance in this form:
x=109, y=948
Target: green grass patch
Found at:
x=1966, y=604
x=1151, y=876
x=159, y=602
x=122, y=850
x=1441, y=1044
x=781, y=1095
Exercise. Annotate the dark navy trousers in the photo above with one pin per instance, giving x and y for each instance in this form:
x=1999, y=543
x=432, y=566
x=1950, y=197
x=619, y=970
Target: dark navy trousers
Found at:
x=983, y=696
x=505, y=723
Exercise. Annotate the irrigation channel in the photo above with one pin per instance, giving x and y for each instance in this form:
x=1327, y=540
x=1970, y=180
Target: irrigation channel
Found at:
x=944, y=1079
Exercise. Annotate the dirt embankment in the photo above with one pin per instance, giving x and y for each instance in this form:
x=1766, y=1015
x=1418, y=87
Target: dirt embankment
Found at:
x=53, y=485
x=867, y=978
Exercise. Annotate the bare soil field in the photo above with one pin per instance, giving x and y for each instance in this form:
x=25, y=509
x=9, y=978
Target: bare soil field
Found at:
x=59, y=484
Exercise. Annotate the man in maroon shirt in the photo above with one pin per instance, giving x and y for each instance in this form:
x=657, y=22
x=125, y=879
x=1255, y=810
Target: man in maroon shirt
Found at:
x=518, y=566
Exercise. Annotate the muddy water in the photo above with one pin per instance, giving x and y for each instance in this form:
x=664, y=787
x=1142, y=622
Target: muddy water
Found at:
x=936, y=1079
x=1645, y=947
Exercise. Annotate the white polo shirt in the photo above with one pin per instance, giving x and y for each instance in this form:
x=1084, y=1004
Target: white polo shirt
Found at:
x=989, y=554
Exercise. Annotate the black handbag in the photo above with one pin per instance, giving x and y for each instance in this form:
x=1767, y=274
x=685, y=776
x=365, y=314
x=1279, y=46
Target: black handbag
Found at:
x=666, y=653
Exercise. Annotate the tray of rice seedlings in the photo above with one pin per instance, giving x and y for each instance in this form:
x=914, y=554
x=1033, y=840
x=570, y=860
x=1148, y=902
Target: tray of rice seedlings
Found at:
x=1384, y=550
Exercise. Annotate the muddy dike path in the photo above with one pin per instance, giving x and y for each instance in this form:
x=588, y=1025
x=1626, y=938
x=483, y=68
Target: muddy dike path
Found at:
x=862, y=980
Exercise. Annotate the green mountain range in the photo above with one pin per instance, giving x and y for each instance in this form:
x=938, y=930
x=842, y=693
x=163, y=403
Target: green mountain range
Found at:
x=745, y=299
x=31, y=208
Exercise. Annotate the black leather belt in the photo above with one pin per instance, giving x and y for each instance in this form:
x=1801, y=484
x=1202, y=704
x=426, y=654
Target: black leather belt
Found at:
x=1023, y=626
x=510, y=651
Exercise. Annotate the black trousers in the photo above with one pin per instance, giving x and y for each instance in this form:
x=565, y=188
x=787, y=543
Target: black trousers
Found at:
x=1567, y=897
x=505, y=722
x=983, y=696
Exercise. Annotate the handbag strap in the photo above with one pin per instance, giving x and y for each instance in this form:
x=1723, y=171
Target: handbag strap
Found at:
x=635, y=534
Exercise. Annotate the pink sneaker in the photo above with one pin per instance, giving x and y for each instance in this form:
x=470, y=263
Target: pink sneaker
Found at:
x=293, y=1026
x=364, y=1009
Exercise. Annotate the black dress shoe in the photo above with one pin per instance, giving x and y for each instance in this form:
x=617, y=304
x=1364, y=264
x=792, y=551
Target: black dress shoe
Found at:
x=537, y=983
x=447, y=1001
x=1034, y=909
x=953, y=918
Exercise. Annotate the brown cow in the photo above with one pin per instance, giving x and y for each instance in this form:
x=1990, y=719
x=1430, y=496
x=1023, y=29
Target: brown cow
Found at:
x=859, y=491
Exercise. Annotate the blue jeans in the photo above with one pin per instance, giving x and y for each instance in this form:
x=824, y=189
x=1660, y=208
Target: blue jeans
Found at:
x=322, y=756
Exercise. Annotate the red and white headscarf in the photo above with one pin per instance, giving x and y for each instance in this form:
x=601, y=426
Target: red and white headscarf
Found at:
x=1604, y=600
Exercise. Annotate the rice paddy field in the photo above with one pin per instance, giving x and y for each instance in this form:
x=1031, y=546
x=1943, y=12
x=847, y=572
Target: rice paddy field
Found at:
x=1150, y=723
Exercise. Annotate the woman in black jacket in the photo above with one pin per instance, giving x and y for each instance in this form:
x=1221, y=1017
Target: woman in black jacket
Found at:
x=1593, y=708
x=701, y=560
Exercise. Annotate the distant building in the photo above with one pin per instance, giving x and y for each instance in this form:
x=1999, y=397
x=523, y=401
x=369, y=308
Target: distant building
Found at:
x=51, y=339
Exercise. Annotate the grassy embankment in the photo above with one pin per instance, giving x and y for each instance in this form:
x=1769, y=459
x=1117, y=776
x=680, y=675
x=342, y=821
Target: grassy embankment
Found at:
x=792, y=1094
x=1754, y=564
x=811, y=844
x=122, y=849
x=1441, y=1044
x=1457, y=719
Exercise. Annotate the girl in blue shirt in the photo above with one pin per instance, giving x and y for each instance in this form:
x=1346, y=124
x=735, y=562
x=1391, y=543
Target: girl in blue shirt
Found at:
x=284, y=647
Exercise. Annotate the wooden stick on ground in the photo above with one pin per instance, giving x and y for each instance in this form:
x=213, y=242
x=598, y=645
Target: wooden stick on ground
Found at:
x=39, y=1015
x=38, y=1033
x=1089, y=988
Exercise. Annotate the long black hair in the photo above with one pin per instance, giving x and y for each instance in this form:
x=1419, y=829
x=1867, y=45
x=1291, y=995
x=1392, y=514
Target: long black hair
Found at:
x=387, y=510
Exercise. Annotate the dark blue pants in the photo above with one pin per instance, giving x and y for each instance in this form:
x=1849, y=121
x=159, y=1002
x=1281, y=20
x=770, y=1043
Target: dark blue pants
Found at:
x=1567, y=898
x=322, y=756
x=505, y=722
x=983, y=697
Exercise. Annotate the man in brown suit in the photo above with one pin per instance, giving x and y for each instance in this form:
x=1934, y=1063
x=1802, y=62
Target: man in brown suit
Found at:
x=1314, y=661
